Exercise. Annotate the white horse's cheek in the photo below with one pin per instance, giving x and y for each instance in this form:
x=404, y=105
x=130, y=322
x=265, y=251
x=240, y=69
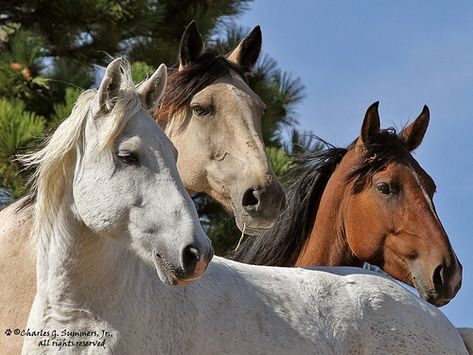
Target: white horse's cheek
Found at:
x=99, y=212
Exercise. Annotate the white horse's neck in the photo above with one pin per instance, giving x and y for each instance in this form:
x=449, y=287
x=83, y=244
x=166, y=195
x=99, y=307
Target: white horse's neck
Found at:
x=76, y=267
x=94, y=282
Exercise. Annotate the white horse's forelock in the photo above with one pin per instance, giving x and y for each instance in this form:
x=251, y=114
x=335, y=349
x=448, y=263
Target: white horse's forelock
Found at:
x=56, y=162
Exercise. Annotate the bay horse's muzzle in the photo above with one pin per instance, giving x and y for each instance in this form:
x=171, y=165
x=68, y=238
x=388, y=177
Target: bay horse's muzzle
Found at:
x=446, y=281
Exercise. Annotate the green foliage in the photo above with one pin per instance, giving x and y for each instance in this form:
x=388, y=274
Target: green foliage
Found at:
x=82, y=29
x=140, y=71
x=280, y=93
x=19, y=129
x=62, y=110
x=162, y=43
x=302, y=143
x=280, y=160
x=218, y=223
x=20, y=64
x=68, y=73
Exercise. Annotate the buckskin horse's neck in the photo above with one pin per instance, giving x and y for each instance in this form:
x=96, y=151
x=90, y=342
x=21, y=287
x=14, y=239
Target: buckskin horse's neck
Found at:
x=327, y=243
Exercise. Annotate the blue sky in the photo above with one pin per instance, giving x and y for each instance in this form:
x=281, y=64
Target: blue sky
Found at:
x=405, y=54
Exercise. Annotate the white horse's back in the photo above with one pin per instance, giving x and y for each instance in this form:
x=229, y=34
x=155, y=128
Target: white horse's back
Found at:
x=467, y=335
x=254, y=309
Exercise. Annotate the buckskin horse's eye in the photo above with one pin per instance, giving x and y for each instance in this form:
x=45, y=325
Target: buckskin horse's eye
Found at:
x=383, y=188
x=201, y=111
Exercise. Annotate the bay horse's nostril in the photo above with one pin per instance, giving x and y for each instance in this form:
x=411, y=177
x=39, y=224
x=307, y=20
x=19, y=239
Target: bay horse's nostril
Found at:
x=250, y=199
x=190, y=258
x=438, y=276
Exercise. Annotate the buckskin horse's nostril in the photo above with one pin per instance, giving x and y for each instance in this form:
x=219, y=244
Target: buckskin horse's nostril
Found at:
x=250, y=198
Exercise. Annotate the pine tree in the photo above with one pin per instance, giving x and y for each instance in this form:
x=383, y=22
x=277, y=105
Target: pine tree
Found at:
x=18, y=131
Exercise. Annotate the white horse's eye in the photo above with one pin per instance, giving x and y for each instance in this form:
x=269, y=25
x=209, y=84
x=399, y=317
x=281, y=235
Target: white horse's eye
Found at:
x=128, y=157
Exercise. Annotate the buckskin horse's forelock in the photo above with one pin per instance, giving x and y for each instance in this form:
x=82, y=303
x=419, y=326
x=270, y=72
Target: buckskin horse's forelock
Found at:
x=183, y=84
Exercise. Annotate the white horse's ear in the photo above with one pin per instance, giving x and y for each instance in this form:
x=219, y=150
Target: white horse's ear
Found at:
x=110, y=86
x=192, y=45
x=151, y=91
x=247, y=52
x=414, y=133
x=371, y=124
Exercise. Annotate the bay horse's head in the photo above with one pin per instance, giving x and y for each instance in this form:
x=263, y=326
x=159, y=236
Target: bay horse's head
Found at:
x=390, y=217
x=214, y=120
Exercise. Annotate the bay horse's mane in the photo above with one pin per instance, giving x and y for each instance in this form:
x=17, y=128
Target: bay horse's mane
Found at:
x=183, y=83
x=282, y=244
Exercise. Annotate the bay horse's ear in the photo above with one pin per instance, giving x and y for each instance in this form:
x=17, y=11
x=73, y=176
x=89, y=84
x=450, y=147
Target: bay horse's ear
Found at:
x=192, y=45
x=371, y=124
x=247, y=52
x=152, y=90
x=110, y=86
x=414, y=133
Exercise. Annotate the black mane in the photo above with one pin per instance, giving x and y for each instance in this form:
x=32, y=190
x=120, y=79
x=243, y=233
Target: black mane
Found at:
x=281, y=245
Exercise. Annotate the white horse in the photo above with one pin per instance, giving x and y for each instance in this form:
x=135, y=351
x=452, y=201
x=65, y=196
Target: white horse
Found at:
x=111, y=213
x=109, y=194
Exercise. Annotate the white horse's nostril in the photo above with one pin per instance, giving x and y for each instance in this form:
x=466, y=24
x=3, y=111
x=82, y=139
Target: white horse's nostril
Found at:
x=190, y=257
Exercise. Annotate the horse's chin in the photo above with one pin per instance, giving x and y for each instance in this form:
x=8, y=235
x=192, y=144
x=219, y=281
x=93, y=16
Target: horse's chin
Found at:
x=249, y=229
x=170, y=275
x=429, y=295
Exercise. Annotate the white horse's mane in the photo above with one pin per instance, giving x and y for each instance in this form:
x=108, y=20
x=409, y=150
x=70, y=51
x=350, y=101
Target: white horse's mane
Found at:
x=56, y=162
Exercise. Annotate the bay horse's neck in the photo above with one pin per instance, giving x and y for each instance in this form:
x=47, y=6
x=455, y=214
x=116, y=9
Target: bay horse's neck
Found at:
x=327, y=243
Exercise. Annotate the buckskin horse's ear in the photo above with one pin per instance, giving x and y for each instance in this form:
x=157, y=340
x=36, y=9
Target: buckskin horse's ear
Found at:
x=110, y=86
x=192, y=45
x=152, y=90
x=414, y=133
x=371, y=124
x=247, y=52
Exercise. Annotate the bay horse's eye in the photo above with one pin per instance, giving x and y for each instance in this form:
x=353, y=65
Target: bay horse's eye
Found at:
x=201, y=111
x=383, y=188
x=128, y=158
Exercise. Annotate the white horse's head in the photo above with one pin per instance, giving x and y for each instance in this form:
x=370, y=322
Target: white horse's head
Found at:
x=124, y=184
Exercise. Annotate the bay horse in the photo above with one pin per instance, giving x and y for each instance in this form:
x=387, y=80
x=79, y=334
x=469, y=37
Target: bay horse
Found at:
x=371, y=202
x=115, y=229
x=213, y=119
